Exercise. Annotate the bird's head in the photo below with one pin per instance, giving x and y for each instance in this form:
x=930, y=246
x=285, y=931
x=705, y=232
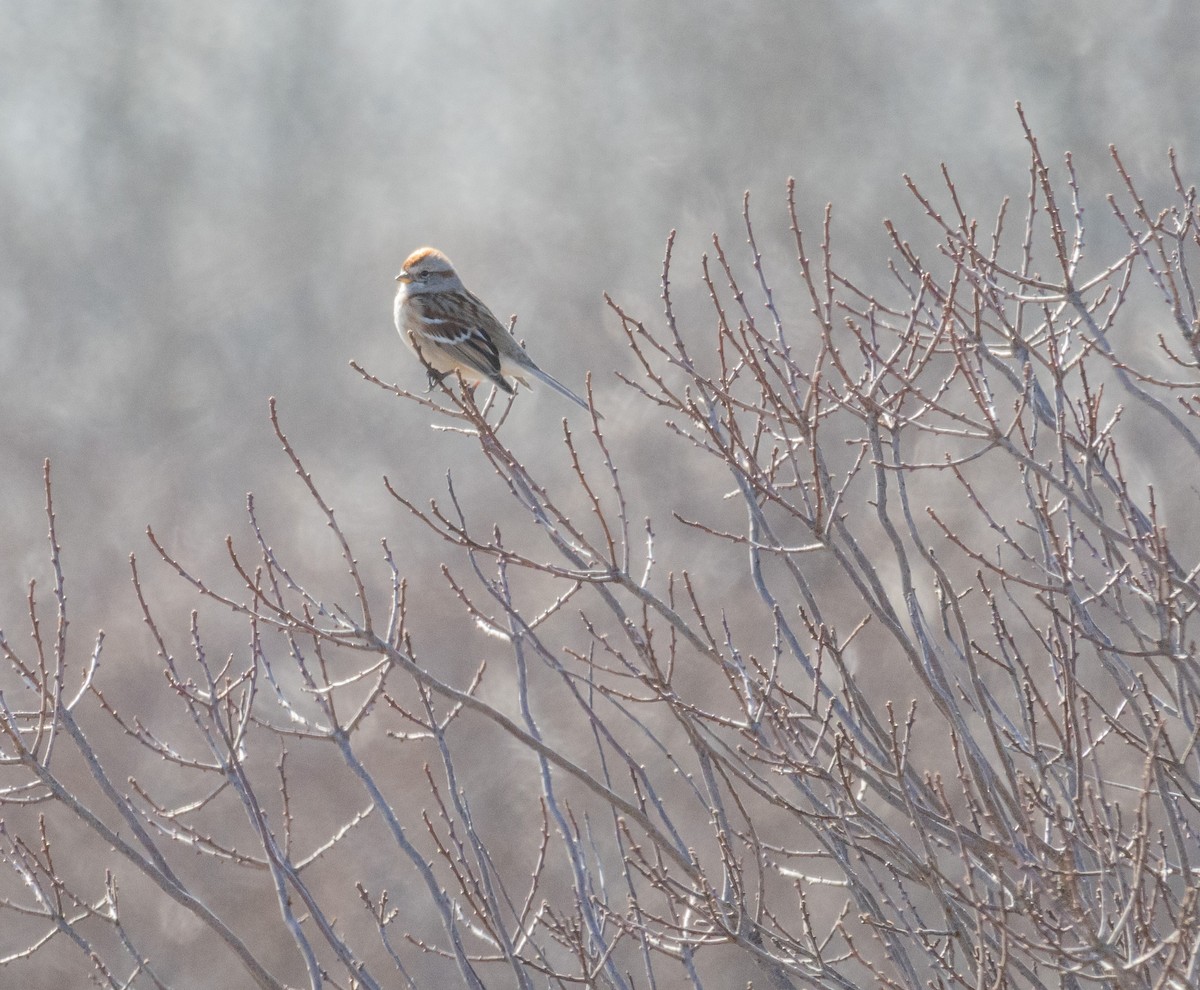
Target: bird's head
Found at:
x=428, y=270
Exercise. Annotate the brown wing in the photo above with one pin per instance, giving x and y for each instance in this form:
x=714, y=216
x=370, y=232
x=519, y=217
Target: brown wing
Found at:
x=461, y=335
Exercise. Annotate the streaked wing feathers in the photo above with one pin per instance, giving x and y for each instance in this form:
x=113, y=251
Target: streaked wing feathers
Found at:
x=458, y=333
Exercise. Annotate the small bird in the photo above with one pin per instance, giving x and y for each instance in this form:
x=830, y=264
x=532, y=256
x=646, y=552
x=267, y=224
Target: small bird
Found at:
x=452, y=330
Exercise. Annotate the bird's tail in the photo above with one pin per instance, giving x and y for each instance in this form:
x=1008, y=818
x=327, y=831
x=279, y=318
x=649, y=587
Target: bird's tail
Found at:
x=558, y=386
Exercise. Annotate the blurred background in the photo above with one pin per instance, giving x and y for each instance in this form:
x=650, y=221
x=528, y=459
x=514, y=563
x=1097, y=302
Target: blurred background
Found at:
x=204, y=205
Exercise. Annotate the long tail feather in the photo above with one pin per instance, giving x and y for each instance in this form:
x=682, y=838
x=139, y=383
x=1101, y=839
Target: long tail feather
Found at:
x=558, y=386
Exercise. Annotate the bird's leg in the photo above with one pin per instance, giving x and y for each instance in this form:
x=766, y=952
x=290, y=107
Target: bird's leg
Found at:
x=435, y=377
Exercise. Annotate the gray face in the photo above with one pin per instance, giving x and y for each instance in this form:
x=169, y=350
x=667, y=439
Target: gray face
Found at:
x=427, y=270
x=431, y=279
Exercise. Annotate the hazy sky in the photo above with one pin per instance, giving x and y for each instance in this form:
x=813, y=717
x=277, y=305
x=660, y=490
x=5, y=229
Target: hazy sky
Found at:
x=205, y=204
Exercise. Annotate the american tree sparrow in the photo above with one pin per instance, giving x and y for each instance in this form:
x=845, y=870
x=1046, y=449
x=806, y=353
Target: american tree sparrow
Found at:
x=452, y=330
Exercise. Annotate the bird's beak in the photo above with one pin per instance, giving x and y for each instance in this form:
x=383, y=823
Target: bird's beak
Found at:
x=404, y=277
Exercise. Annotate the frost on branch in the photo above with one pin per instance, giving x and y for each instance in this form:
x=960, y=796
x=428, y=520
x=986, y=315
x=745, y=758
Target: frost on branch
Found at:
x=901, y=693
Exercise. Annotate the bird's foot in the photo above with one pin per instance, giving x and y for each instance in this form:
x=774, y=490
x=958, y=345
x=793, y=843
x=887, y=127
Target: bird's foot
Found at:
x=435, y=378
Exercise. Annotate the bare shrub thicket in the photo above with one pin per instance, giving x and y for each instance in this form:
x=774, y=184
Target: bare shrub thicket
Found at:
x=903, y=694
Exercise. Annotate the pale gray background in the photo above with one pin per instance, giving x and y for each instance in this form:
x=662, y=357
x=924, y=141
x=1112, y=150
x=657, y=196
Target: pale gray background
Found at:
x=203, y=205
